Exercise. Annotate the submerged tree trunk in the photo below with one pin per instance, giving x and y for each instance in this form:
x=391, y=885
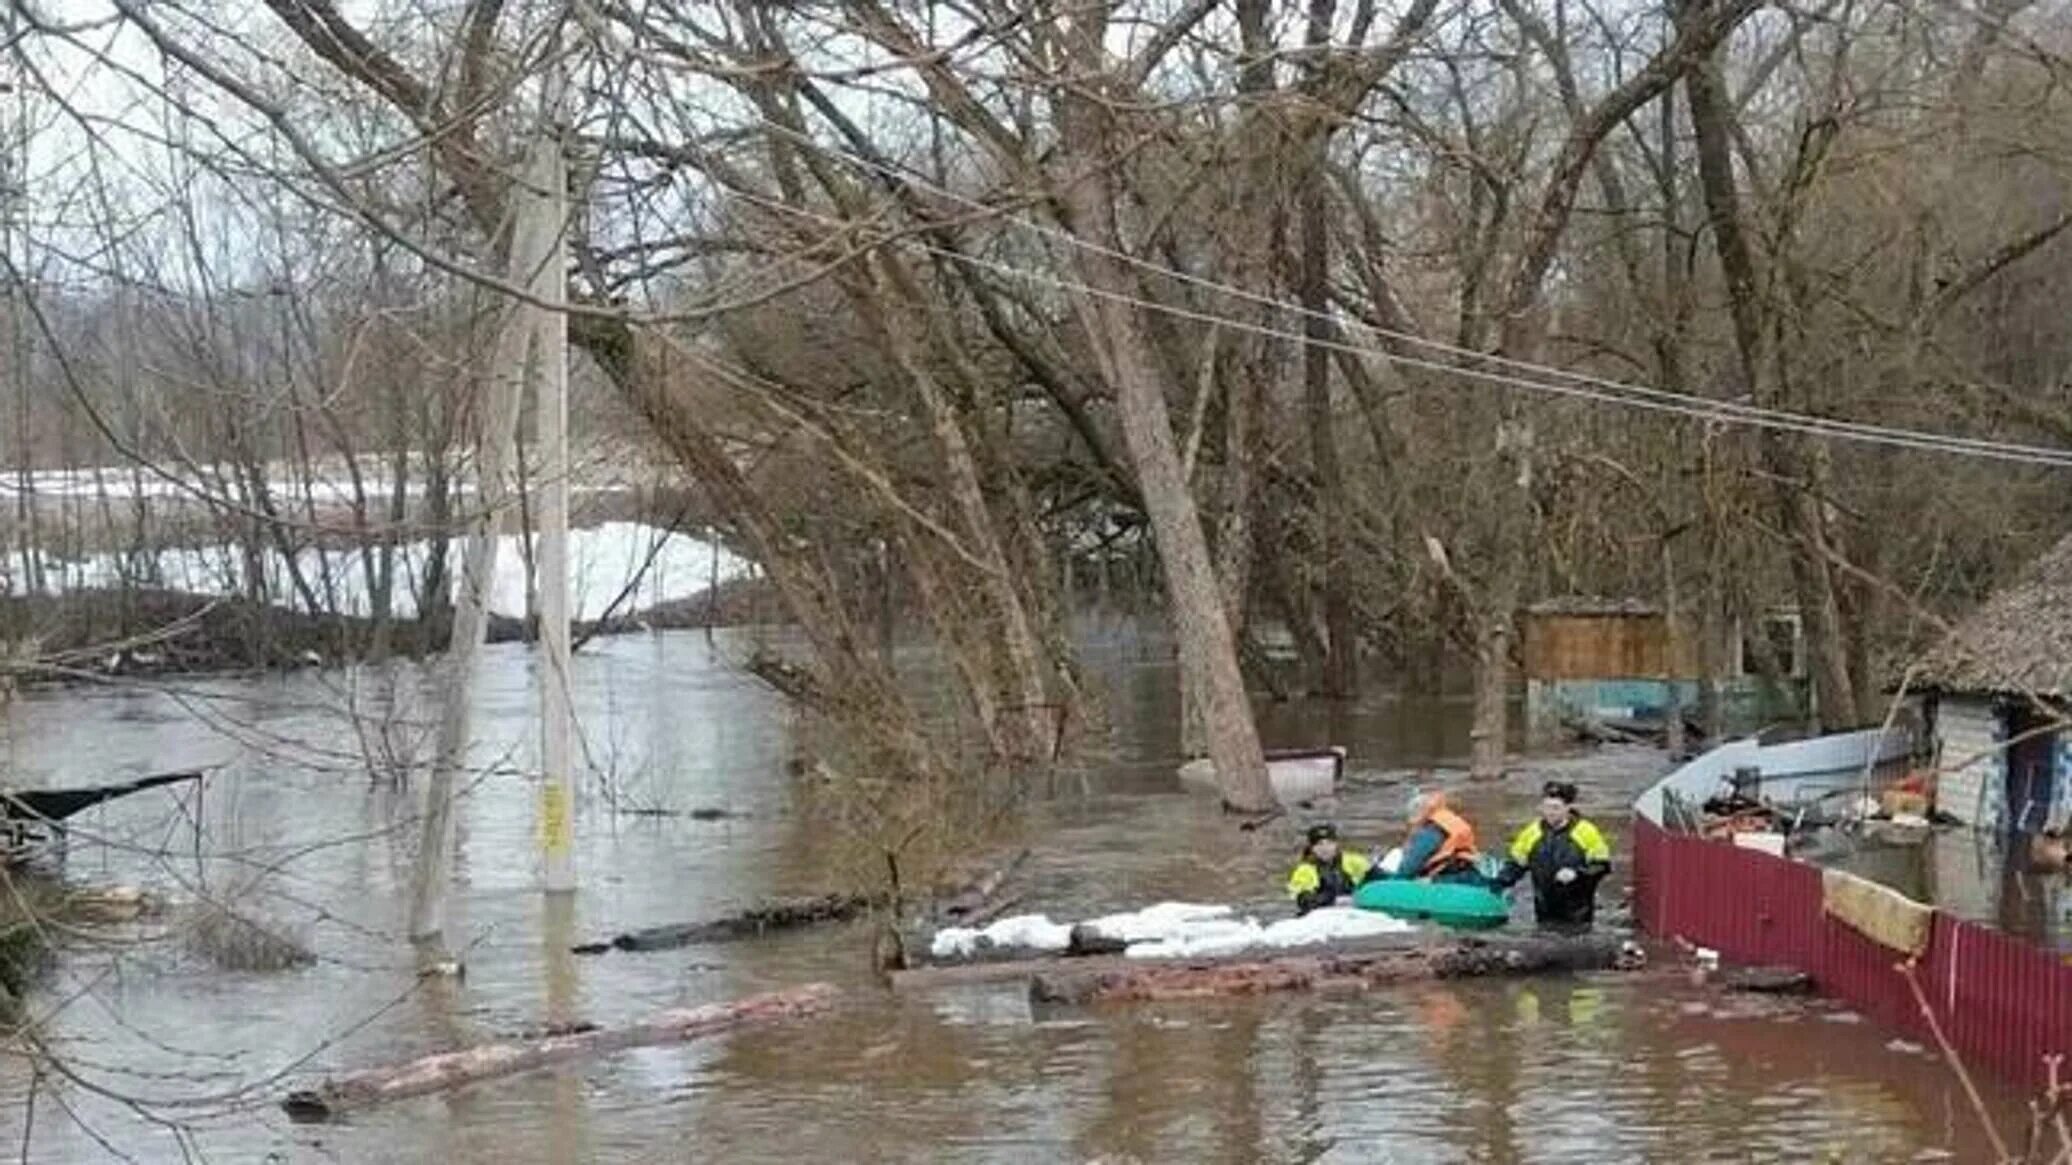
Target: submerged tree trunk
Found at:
x=1489, y=737
x=1195, y=600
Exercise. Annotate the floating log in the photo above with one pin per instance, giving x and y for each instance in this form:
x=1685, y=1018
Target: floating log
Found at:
x=783, y=914
x=996, y=968
x=446, y=1070
x=1147, y=980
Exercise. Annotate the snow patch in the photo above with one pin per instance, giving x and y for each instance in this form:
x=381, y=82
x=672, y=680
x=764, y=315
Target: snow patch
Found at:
x=654, y=565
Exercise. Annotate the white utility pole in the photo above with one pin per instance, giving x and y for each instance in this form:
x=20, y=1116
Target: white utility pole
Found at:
x=549, y=180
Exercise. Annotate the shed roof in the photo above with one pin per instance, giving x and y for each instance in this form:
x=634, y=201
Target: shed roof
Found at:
x=2018, y=641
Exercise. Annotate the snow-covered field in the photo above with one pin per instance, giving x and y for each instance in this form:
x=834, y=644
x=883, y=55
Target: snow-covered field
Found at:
x=326, y=480
x=603, y=560
x=1168, y=930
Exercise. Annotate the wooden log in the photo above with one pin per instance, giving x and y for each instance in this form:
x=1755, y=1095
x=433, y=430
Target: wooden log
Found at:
x=789, y=913
x=1007, y=967
x=993, y=970
x=783, y=914
x=446, y=1070
x=1145, y=980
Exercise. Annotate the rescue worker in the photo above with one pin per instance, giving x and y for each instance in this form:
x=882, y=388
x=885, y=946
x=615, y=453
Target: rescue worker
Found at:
x=1567, y=857
x=1441, y=845
x=1326, y=872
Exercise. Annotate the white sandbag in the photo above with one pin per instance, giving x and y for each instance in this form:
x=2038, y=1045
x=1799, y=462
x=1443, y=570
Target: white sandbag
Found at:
x=1021, y=932
x=1154, y=922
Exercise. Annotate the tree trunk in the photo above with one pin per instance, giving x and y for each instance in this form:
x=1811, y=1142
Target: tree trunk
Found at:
x=1714, y=655
x=1341, y=646
x=1026, y=698
x=1151, y=980
x=1673, y=620
x=1793, y=470
x=447, y=1070
x=1489, y=737
x=499, y=428
x=1820, y=612
x=1208, y=648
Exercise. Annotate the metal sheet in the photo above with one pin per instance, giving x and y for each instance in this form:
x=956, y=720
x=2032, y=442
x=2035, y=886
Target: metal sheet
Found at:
x=2004, y=1003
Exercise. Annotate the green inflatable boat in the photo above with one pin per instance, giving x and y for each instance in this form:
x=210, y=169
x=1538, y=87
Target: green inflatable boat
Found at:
x=1455, y=904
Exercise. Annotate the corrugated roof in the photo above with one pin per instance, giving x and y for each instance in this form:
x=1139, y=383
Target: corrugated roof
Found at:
x=2018, y=641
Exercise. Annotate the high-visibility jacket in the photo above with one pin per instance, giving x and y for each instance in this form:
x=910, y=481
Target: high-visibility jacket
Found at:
x=1311, y=884
x=1544, y=853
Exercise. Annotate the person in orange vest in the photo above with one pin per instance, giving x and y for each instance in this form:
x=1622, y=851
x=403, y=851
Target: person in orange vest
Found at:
x=1441, y=844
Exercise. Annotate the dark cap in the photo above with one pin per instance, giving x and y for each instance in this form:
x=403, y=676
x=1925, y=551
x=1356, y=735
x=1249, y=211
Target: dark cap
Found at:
x=1322, y=831
x=1560, y=791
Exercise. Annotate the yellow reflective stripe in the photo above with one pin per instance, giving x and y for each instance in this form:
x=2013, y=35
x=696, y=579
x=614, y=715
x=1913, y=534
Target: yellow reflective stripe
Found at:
x=1526, y=841
x=1595, y=848
x=1356, y=866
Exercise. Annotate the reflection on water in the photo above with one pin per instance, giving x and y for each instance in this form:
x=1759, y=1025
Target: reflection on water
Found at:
x=1595, y=1069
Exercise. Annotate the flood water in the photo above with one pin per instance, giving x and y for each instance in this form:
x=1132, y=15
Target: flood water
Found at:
x=1592, y=1069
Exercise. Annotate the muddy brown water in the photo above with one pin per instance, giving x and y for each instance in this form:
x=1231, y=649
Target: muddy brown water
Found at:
x=1592, y=1069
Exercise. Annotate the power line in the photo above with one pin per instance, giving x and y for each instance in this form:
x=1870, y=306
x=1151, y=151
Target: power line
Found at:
x=1677, y=404
x=1580, y=385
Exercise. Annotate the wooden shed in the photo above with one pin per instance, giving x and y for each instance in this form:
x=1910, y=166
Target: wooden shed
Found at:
x=1616, y=659
x=1599, y=639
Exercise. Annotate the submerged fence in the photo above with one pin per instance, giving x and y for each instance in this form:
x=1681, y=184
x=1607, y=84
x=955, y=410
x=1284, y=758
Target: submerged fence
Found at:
x=2006, y=1004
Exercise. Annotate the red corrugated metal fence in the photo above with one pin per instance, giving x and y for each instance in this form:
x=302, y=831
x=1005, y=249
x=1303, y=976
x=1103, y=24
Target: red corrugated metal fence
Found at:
x=2005, y=1003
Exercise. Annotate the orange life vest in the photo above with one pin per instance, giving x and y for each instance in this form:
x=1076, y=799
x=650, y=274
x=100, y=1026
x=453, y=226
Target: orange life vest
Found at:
x=1459, y=843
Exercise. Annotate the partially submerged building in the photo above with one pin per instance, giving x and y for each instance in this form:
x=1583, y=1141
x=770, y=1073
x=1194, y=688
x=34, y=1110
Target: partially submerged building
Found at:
x=1995, y=693
x=1611, y=660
